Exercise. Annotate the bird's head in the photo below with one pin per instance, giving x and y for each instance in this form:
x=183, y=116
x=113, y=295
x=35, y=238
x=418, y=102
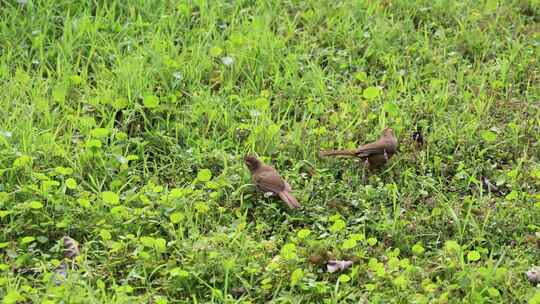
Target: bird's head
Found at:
x=388, y=132
x=252, y=162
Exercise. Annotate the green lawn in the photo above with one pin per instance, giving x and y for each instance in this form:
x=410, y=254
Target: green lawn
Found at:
x=124, y=124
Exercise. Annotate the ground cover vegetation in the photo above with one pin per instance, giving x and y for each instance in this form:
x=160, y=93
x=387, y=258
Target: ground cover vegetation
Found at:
x=123, y=127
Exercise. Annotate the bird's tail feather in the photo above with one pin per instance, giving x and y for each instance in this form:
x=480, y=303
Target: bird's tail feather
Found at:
x=351, y=152
x=287, y=197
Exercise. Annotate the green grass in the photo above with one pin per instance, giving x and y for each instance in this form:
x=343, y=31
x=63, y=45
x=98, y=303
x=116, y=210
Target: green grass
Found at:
x=136, y=99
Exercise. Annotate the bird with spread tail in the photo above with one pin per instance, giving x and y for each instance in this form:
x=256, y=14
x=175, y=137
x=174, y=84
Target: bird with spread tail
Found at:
x=375, y=154
x=267, y=179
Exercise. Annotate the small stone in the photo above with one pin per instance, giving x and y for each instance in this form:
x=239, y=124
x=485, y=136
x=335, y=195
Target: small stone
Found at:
x=227, y=60
x=533, y=274
x=237, y=292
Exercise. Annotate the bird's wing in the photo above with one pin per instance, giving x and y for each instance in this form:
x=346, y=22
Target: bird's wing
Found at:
x=269, y=181
x=287, y=186
x=376, y=147
x=288, y=198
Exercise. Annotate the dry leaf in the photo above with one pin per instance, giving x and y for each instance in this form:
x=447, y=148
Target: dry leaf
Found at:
x=71, y=251
x=533, y=274
x=315, y=259
x=237, y=292
x=60, y=273
x=337, y=265
x=321, y=258
x=490, y=187
x=71, y=248
x=530, y=238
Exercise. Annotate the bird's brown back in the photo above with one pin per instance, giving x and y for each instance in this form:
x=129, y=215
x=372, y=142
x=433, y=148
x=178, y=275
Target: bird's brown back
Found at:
x=375, y=153
x=268, y=179
x=384, y=143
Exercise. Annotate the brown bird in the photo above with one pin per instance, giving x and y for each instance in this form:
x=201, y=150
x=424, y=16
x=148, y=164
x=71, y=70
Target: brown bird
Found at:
x=267, y=179
x=375, y=154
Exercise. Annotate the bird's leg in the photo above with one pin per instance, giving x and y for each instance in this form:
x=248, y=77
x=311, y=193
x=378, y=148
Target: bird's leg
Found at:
x=385, y=155
x=366, y=166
